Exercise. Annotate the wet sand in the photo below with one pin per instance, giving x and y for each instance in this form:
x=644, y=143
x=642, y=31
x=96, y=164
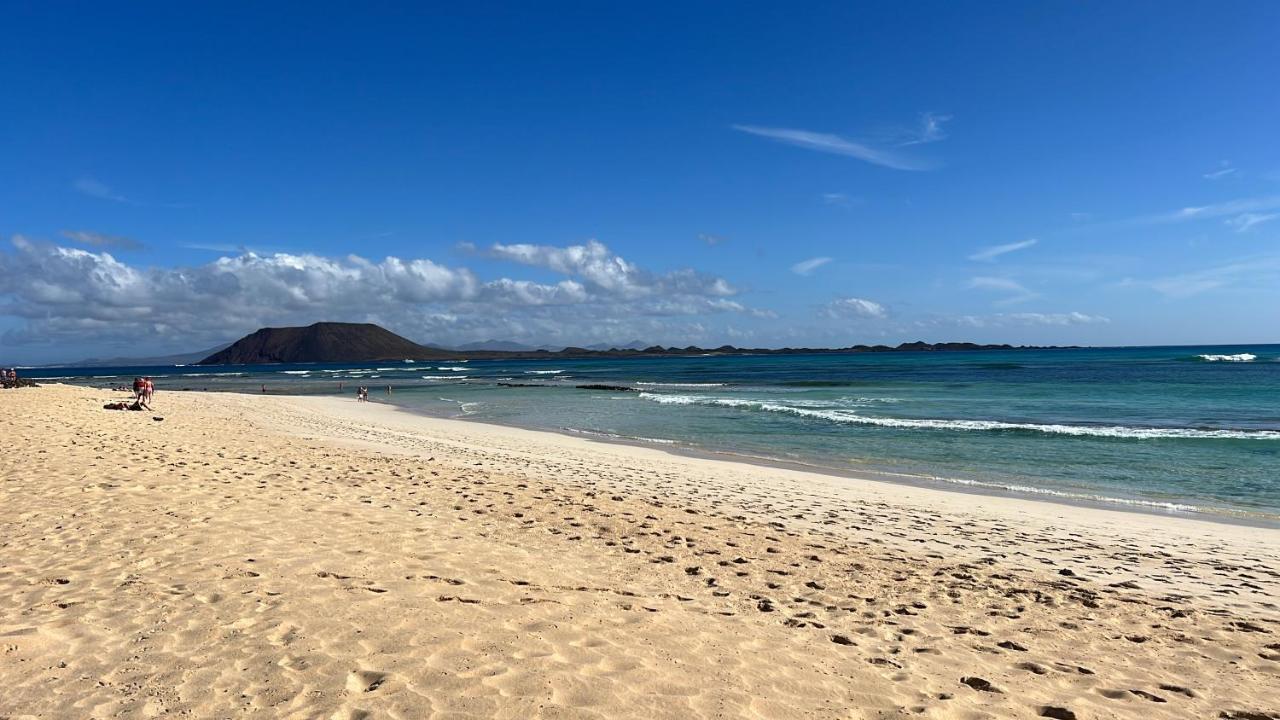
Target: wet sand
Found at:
x=314, y=557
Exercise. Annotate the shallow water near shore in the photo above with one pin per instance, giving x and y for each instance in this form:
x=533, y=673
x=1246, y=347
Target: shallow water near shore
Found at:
x=1176, y=429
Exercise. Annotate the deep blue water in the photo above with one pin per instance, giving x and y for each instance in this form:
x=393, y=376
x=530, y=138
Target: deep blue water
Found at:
x=1175, y=428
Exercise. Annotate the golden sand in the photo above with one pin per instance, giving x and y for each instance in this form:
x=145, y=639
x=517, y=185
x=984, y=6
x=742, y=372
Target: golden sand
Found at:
x=301, y=558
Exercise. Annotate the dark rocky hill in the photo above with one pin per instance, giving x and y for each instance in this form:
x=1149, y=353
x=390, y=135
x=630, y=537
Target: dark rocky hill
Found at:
x=324, y=342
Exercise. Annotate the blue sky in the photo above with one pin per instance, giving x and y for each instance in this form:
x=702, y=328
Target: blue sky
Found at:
x=1096, y=173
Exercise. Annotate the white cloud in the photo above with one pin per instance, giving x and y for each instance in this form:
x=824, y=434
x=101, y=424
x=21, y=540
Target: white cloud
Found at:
x=852, y=307
x=1230, y=207
x=93, y=188
x=991, y=253
x=835, y=145
x=72, y=293
x=1224, y=169
x=595, y=263
x=806, y=267
x=1247, y=221
x=1030, y=319
x=930, y=129
x=1261, y=272
x=841, y=200
x=1016, y=291
x=710, y=239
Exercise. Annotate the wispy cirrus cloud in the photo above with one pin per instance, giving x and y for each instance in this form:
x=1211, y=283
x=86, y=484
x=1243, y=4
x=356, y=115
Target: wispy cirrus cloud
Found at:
x=989, y=254
x=93, y=188
x=840, y=200
x=1247, y=221
x=806, y=267
x=930, y=130
x=836, y=145
x=1030, y=318
x=1224, y=169
x=1214, y=210
x=1015, y=292
x=85, y=237
x=1259, y=272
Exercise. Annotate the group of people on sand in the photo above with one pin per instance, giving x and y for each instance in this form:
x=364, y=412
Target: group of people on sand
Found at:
x=143, y=391
x=9, y=377
x=362, y=392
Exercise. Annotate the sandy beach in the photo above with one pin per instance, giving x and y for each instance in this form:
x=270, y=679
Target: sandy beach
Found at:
x=289, y=557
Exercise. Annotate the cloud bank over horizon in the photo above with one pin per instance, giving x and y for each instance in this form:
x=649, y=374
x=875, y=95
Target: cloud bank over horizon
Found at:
x=86, y=296
x=74, y=294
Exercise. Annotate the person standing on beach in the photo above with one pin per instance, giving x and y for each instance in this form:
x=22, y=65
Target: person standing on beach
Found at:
x=148, y=390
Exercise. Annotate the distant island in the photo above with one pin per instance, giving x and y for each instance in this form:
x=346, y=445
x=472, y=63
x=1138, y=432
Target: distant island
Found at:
x=332, y=342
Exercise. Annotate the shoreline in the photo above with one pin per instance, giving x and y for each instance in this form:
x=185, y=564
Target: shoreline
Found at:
x=1030, y=493
x=1185, y=508
x=1011, y=503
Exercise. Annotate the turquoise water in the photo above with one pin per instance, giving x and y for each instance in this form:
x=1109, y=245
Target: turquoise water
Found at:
x=1177, y=429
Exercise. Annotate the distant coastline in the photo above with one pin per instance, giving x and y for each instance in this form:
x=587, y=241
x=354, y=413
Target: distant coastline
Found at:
x=365, y=342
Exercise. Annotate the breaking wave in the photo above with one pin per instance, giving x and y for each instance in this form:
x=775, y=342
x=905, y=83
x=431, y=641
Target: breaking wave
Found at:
x=678, y=385
x=1240, y=357
x=844, y=416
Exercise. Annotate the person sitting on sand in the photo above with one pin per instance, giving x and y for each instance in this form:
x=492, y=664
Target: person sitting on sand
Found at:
x=136, y=405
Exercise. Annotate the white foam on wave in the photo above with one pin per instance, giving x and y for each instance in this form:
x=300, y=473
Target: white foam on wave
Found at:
x=221, y=374
x=465, y=407
x=452, y=368
x=444, y=377
x=678, y=385
x=543, y=372
x=1065, y=495
x=295, y=372
x=844, y=416
x=1240, y=357
x=615, y=436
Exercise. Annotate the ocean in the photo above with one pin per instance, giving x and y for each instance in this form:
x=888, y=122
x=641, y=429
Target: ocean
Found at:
x=1185, y=430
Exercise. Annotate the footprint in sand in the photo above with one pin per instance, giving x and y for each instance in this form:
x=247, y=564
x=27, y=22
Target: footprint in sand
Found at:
x=365, y=681
x=981, y=684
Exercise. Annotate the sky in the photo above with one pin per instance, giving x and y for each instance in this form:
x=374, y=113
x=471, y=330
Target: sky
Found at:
x=173, y=176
